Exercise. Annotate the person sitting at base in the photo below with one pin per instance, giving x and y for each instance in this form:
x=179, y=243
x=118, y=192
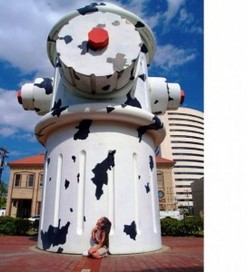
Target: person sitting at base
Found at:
x=100, y=239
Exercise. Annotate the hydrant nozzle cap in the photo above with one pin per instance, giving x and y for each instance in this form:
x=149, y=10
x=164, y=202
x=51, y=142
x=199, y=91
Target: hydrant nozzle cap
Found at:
x=182, y=97
x=19, y=98
x=98, y=38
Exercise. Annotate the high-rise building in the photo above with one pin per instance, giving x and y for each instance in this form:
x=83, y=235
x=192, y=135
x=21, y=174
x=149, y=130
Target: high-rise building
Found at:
x=184, y=145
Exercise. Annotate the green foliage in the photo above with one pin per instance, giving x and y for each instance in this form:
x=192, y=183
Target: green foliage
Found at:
x=169, y=226
x=191, y=225
x=14, y=226
x=3, y=194
x=7, y=225
x=22, y=226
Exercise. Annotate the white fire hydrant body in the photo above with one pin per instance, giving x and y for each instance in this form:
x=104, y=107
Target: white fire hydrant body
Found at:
x=100, y=131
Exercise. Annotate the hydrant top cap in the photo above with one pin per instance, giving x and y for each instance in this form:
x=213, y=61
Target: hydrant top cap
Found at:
x=98, y=38
x=143, y=29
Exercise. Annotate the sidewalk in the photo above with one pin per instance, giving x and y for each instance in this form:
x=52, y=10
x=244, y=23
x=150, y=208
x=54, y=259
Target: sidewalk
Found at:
x=179, y=254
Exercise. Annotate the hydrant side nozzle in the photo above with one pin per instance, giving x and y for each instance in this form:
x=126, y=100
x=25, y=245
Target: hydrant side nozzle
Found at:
x=36, y=96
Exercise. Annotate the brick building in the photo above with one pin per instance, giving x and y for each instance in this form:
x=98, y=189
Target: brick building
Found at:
x=25, y=187
x=26, y=180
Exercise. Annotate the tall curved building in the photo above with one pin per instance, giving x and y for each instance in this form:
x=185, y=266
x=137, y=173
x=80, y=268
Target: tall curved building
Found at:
x=184, y=144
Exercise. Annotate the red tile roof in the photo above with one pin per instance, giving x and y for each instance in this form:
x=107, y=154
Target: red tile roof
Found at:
x=39, y=160
x=164, y=161
x=33, y=160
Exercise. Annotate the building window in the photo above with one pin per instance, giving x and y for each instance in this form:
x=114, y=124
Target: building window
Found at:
x=161, y=194
x=30, y=180
x=187, y=130
x=186, y=125
x=186, y=136
x=186, y=120
x=183, y=186
x=189, y=173
x=185, y=199
x=189, y=166
x=185, y=179
x=187, y=154
x=41, y=176
x=185, y=147
x=160, y=180
x=189, y=160
x=38, y=208
x=186, y=142
x=17, y=180
x=184, y=114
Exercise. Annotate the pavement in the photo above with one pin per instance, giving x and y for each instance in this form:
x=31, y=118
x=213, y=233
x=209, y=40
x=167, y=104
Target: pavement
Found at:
x=178, y=254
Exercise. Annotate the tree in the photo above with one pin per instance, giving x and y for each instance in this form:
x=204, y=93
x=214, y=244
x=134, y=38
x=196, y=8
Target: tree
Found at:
x=3, y=186
x=3, y=194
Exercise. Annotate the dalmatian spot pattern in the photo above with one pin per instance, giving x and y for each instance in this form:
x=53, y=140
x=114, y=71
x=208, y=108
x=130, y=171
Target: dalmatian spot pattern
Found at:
x=147, y=187
x=45, y=84
x=54, y=236
x=132, y=101
x=57, y=109
x=157, y=124
x=131, y=230
x=100, y=173
x=83, y=130
x=90, y=8
x=151, y=163
x=66, y=184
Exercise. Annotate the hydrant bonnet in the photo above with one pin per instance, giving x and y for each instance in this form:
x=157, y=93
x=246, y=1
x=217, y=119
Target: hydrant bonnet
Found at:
x=99, y=33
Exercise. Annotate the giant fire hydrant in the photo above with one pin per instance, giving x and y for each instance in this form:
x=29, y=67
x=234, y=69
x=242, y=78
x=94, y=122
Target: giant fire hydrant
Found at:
x=100, y=130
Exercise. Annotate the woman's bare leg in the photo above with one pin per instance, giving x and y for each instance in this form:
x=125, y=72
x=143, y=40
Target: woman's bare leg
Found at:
x=96, y=255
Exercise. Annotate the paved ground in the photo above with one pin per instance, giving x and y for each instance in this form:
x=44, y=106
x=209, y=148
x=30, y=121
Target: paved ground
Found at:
x=183, y=254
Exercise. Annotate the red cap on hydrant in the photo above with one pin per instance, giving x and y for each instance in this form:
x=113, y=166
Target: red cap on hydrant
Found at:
x=182, y=96
x=98, y=38
x=19, y=98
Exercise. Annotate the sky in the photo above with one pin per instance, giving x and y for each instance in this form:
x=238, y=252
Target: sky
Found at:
x=177, y=26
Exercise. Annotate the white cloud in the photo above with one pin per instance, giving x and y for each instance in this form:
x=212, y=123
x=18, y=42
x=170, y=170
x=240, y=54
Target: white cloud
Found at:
x=7, y=131
x=25, y=26
x=186, y=22
x=173, y=8
x=169, y=56
x=163, y=17
x=21, y=45
x=134, y=6
x=14, y=118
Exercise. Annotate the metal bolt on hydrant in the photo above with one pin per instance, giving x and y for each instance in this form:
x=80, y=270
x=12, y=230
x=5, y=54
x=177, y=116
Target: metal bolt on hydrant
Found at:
x=100, y=130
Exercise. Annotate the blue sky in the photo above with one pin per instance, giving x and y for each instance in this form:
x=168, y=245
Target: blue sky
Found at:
x=177, y=26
